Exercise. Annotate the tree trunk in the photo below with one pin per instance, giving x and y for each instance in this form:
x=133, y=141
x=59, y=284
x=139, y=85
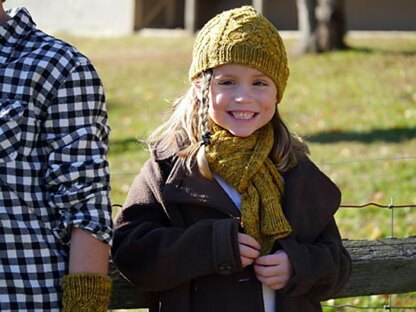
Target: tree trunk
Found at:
x=321, y=25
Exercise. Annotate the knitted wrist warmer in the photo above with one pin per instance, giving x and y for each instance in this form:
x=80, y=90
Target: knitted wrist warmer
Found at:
x=86, y=292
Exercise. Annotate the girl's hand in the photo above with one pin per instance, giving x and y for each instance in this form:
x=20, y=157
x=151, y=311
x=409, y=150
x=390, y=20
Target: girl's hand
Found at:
x=249, y=249
x=273, y=270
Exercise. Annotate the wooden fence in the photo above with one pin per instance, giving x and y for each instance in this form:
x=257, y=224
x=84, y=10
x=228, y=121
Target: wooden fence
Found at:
x=386, y=266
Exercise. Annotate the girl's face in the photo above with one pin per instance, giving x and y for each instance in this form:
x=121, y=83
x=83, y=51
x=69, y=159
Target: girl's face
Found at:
x=242, y=99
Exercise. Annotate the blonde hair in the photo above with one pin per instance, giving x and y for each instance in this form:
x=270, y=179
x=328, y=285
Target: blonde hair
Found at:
x=183, y=132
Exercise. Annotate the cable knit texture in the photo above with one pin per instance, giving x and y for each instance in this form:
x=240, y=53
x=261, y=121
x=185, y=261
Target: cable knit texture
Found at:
x=85, y=292
x=243, y=163
x=241, y=36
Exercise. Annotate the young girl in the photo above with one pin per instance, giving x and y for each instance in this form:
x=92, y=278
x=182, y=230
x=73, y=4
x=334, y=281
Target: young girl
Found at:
x=229, y=214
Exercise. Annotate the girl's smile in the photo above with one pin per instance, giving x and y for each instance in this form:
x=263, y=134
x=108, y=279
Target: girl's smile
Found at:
x=242, y=99
x=242, y=115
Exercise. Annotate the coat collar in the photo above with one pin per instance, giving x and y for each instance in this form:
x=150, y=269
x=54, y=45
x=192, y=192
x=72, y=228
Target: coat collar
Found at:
x=311, y=199
x=183, y=186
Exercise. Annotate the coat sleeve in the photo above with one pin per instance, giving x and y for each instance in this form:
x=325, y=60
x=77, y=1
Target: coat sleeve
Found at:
x=321, y=269
x=156, y=255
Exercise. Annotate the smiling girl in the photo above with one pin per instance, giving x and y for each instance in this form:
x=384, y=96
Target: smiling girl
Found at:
x=243, y=99
x=229, y=213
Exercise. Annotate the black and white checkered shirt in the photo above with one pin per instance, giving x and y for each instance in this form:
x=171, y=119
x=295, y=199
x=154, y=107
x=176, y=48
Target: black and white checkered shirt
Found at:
x=53, y=167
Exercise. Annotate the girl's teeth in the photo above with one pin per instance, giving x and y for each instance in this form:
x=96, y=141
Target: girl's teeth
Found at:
x=239, y=115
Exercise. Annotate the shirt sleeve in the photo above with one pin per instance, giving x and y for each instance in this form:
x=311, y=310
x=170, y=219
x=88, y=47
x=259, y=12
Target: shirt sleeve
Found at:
x=77, y=178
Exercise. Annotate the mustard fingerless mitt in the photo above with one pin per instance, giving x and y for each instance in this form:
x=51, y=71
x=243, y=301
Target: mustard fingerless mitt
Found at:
x=86, y=292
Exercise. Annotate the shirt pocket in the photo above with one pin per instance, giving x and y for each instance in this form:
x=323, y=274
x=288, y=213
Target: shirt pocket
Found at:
x=11, y=117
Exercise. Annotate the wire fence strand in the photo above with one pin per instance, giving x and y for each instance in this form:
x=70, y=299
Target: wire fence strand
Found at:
x=389, y=206
x=356, y=161
x=384, y=307
x=352, y=206
x=349, y=162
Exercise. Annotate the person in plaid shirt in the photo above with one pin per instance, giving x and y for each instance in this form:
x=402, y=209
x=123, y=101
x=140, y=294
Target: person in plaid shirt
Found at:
x=55, y=212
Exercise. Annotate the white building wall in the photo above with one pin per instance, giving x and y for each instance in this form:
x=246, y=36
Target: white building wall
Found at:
x=82, y=17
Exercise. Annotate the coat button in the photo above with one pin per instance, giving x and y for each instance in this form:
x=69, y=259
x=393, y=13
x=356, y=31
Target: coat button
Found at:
x=225, y=268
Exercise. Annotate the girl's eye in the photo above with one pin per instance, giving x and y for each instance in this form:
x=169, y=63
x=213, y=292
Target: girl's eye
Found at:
x=225, y=82
x=260, y=83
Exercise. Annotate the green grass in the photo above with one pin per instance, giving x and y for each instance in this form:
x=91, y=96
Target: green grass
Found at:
x=356, y=108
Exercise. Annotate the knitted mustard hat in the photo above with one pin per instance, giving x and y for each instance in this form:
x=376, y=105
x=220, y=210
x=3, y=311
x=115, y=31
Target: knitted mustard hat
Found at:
x=241, y=36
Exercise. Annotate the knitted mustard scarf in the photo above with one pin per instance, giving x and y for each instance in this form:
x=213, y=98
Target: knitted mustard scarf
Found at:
x=244, y=164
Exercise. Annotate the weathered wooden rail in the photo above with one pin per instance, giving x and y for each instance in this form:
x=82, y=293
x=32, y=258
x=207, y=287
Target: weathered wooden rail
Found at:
x=385, y=266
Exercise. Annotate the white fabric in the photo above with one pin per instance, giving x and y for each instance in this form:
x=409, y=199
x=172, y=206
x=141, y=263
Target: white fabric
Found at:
x=268, y=293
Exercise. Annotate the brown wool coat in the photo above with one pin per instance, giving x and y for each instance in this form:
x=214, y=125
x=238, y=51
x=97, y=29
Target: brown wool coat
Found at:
x=177, y=236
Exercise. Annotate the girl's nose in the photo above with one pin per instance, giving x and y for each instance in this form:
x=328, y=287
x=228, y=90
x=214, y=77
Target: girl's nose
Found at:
x=244, y=94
